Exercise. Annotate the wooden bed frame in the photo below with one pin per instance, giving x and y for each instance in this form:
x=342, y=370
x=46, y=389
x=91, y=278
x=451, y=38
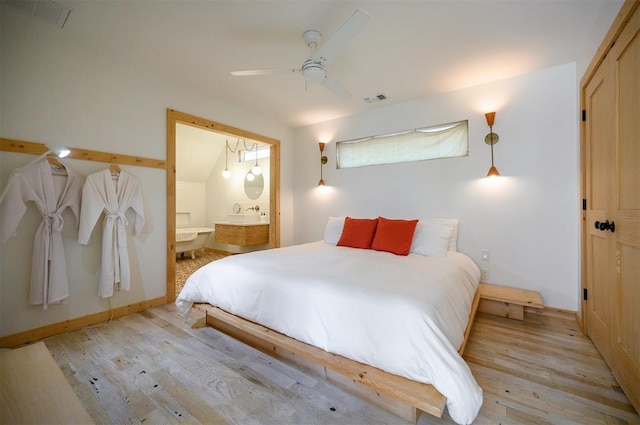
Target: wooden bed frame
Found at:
x=401, y=396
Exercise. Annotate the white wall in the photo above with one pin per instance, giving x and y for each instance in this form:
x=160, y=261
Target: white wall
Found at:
x=190, y=204
x=528, y=218
x=55, y=93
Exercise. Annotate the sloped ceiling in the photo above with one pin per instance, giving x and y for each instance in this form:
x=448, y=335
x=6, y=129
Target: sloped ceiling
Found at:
x=409, y=49
x=197, y=151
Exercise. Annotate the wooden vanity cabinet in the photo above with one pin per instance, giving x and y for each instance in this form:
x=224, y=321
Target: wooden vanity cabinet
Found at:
x=243, y=235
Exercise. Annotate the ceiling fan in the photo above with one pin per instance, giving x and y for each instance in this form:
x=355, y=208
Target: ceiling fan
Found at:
x=314, y=69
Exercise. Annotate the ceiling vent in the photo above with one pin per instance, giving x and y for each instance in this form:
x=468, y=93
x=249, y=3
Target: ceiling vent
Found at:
x=374, y=99
x=48, y=10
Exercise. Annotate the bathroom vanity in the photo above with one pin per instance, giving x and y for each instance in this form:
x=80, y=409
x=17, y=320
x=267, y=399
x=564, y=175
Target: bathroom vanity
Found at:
x=243, y=234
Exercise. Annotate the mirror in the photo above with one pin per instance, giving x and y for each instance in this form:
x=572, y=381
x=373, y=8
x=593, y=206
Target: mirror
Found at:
x=253, y=188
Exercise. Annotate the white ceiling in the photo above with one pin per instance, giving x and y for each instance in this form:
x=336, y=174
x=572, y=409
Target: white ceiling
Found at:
x=409, y=49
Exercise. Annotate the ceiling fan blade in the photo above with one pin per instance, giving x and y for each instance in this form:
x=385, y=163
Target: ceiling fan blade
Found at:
x=335, y=87
x=250, y=72
x=347, y=32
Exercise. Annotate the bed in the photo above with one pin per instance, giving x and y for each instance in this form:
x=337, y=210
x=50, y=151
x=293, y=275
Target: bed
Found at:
x=404, y=315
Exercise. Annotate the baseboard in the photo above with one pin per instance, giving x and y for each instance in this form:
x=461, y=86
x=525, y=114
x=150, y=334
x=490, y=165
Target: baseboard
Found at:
x=561, y=313
x=26, y=337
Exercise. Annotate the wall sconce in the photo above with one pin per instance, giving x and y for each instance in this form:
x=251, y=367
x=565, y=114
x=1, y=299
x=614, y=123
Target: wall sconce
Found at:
x=59, y=151
x=491, y=139
x=323, y=161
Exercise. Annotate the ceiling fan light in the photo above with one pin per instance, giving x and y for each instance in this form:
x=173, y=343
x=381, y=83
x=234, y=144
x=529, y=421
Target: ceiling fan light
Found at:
x=313, y=72
x=256, y=170
x=226, y=173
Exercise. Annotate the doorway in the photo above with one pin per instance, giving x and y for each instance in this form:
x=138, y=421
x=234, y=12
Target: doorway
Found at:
x=173, y=119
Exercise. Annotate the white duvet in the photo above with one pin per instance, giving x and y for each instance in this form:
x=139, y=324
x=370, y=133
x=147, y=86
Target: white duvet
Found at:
x=405, y=315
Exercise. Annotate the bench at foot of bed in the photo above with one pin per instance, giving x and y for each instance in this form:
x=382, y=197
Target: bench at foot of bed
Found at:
x=507, y=302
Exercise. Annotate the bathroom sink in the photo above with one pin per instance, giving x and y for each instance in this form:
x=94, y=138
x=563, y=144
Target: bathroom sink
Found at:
x=243, y=218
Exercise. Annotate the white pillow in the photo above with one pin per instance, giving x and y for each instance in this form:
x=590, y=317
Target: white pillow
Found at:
x=431, y=240
x=333, y=231
x=447, y=222
x=435, y=237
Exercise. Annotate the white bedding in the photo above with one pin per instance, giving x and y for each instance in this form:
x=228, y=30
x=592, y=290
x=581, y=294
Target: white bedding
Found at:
x=405, y=315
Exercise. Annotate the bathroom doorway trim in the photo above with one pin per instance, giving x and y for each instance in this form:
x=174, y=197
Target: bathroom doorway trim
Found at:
x=176, y=117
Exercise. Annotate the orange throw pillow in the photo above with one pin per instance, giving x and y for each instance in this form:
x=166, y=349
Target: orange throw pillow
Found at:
x=358, y=232
x=394, y=236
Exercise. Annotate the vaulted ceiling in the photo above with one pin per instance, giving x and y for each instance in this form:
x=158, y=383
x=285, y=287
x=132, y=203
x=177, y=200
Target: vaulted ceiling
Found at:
x=408, y=50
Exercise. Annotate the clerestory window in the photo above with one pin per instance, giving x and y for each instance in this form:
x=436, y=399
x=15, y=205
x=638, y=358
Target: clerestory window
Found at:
x=442, y=141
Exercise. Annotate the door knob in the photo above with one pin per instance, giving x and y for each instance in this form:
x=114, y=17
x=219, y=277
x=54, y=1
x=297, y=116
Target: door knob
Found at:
x=597, y=224
x=607, y=226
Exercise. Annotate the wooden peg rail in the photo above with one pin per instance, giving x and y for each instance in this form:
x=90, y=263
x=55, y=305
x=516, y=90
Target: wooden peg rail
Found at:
x=10, y=145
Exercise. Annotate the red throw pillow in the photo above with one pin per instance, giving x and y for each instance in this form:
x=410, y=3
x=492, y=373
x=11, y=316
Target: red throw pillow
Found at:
x=394, y=236
x=358, y=232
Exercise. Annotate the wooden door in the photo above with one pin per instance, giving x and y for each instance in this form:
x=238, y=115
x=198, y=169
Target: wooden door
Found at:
x=600, y=247
x=626, y=338
x=612, y=189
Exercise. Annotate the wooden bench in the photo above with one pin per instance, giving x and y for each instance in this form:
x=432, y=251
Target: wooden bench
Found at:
x=507, y=302
x=33, y=389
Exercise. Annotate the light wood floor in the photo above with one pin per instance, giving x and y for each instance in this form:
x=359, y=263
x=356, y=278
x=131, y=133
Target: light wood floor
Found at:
x=152, y=368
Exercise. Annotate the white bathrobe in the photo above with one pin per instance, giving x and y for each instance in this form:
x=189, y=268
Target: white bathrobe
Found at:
x=102, y=194
x=35, y=182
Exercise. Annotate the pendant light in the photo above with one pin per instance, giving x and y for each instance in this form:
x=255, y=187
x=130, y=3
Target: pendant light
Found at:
x=226, y=173
x=256, y=170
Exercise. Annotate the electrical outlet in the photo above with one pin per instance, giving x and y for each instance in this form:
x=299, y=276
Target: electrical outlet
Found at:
x=485, y=255
x=485, y=275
